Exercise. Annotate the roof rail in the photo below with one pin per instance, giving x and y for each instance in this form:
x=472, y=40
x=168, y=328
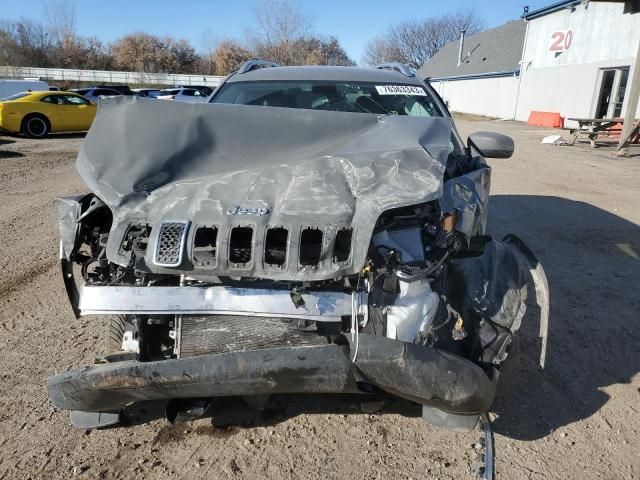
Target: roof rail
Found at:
x=405, y=70
x=254, y=65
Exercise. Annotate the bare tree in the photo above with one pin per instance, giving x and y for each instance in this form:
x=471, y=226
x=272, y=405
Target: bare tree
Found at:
x=177, y=55
x=61, y=19
x=207, y=45
x=26, y=43
x=313, y=50
x=334, y=54
x=136, y=52
x=228, y=56
x=142, y=52
x=283, y=34
x=279, y=24
x=377, y=51
x=95, y=55
x=465, y=19
x=53, y=43
x=415, y=41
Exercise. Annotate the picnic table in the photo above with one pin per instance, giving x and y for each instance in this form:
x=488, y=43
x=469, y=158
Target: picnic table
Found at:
x=591, y=128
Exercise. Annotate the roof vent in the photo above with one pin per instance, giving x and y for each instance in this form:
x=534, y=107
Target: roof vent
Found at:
x=461, y=47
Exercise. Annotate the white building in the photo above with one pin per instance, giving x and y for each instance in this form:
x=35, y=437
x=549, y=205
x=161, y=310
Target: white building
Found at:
x=577, y=60
x=479, y=74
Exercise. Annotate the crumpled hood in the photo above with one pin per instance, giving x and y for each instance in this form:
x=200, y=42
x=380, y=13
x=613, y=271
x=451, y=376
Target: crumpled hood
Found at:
x=228, y=165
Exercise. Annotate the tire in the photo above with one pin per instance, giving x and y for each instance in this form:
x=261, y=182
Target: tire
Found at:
x=35, y=126
x=115, y=327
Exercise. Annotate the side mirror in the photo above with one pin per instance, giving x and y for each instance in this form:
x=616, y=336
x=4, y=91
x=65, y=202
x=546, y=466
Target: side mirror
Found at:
x=491, y=144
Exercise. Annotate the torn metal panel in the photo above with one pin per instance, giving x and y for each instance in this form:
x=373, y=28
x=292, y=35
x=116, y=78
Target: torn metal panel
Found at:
x=469, y=195
x=494, y=283
x=495, y=286
x=228, y=165
x=69, y=210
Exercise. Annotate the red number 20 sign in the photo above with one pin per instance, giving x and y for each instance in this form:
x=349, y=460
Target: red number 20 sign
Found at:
x=561, y=41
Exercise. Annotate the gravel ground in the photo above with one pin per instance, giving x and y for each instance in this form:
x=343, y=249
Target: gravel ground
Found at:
x=577, y=208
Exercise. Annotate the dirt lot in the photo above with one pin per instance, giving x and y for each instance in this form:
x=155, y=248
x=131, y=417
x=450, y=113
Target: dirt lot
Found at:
x=579, y=211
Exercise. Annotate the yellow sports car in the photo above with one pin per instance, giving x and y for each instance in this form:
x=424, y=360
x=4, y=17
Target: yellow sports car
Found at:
x=36, y=114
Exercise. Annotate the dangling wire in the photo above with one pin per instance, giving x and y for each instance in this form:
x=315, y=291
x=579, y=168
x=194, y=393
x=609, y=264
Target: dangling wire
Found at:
x=355, y=338
x=355, y=311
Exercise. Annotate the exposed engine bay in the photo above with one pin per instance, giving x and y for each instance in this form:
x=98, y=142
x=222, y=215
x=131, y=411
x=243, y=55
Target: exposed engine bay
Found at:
x=351, y=260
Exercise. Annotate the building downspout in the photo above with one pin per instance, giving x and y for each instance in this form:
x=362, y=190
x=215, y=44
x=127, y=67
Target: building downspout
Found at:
x=521, y=70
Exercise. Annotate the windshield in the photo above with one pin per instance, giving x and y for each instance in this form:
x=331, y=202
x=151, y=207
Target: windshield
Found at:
x=360, y=97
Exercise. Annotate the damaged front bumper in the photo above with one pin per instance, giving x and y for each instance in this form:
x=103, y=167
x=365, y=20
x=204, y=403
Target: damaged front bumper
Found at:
x=446, y=384
x=425, y=375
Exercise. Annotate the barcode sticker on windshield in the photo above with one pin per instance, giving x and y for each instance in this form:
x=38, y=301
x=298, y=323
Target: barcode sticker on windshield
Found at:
x=400, y=90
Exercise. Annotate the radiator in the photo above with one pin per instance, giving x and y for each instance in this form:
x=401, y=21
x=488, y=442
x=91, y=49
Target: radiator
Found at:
x=210, y=334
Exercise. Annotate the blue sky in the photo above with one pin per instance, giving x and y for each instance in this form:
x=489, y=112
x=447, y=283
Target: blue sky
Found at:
x=353, y=22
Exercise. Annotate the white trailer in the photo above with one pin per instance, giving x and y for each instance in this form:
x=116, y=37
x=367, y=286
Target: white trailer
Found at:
x=11, y=87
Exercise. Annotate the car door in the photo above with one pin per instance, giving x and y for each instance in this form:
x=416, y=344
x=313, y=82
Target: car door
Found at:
x=77, y=111
x=50, y=107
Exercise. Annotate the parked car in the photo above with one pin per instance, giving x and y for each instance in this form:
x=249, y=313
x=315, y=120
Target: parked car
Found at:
x=146, y=92
x=96, y=93
x=201, y=88
x=311, y=230
x=123, y=89
x=36, y=114
x=182, y=95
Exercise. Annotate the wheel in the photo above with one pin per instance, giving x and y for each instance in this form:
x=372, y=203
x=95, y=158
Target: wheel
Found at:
x=35, y=126
x=116, y=326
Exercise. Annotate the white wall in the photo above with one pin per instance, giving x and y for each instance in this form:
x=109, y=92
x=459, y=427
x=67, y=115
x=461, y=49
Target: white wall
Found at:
x=568, y=82
x=110, y=76
x=494, y=97
x=570, y=90
x=601, y=32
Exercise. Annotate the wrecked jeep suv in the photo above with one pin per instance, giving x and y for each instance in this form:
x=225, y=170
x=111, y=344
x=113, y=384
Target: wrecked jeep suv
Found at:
x=309, y=230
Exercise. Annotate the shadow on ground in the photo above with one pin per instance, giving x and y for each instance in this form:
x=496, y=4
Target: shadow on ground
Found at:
x=67, y=135
x=10, y=154
x=592, y=261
